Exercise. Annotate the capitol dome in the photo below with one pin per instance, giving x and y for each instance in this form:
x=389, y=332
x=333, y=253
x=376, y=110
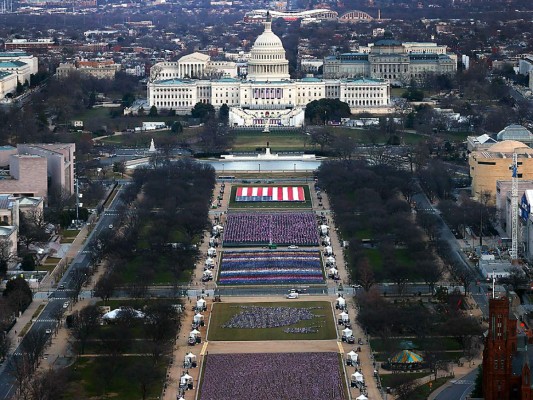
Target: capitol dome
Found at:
x=267, y=57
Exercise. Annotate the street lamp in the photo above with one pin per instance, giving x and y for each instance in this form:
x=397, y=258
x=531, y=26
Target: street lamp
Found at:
x=294, y=167
x=222, y=167
x=259, y=167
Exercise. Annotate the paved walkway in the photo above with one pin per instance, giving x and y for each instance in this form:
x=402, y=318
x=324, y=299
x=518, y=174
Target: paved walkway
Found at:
x=45, y=285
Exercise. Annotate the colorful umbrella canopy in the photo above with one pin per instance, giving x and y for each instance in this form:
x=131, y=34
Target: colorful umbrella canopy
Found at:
x=406, y=357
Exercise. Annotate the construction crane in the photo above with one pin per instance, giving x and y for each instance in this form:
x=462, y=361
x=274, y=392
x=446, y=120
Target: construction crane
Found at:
x=514, y=209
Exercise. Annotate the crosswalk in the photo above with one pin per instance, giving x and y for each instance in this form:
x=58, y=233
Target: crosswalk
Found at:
x=462, y=382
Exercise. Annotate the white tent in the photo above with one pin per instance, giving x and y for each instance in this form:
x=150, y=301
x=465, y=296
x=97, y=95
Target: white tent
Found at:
x=198, y=317
x=352, y=355
x=190, y=357
x=194, y=333
x=200, y=303
x=208, y=273
x=328, y=250
x=333, y=271
x=185, y=379
x=211, y=252
x=114, y=314
x=347, y=332
x=326, y=240
x=358, y=377
x=344, y=316
x=209, y=261
x=324, y=229
x=330, y=260
x=341, y=301
x=362, y=397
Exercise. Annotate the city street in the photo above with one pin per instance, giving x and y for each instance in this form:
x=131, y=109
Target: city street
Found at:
x=47, y=318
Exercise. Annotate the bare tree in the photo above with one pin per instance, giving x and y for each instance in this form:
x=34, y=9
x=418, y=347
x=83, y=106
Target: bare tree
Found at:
x=33, y=346
x=32, y=227
x=365, y=274
x=106, y=285
x=5, y=345
x=48, y=385
x=21, y=368
x=84, y=323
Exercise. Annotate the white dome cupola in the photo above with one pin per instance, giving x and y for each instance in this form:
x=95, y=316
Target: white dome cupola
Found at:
x=267, y=61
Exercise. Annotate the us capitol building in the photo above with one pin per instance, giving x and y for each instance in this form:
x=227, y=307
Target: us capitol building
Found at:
x=267, y=97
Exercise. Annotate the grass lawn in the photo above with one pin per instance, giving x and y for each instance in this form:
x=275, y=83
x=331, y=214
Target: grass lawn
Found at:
x=423, y=391
x=440, y=343
x=119, y=378
x=162, y=273
x=223, y=312
x=270, y=204
x=376, y=260
x=278, y=141
x=70, y=233
x=137, y=304
x=393, y=380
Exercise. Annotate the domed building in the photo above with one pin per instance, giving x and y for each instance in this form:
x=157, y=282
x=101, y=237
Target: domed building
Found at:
x=267, y=58
x=489, y=166
x=267, y=97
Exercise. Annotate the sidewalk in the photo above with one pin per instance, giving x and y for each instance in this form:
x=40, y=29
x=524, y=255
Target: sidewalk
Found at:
x=24, y=319
x=458, y=372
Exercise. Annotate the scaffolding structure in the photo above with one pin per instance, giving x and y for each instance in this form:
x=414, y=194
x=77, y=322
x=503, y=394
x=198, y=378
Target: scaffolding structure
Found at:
x=514, y=209
x=6, y=6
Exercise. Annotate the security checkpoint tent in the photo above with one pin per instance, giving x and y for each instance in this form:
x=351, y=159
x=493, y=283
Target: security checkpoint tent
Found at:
x=324, y=230
x=185, y=379
x=326, y=240
x=330, y=260
x=346, y=333
x=194, y=333
x=208, y=273
x=362, y=397
x=332, y=272
x=209, y=262
x=200, y=304
x=352, y=355
x=190, y=356
x=344, y=317
x=328, y=250
x=198, y=318
x=341, y=302
x=211, y=252
x=357, y=376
